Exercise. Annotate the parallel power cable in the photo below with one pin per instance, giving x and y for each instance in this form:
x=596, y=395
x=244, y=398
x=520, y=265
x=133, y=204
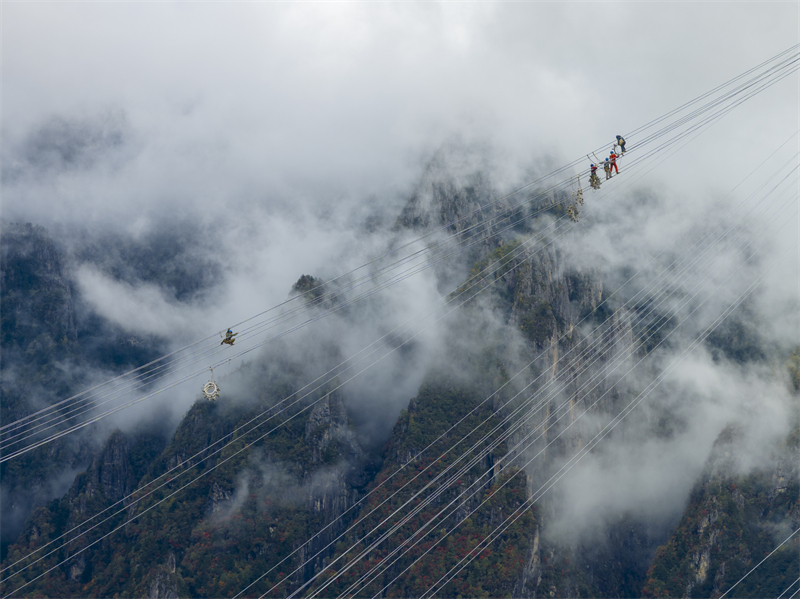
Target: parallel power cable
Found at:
x=454, y=477
x=468, y=451
x=726, y=110
x=745, y=98
x=753, y=569
x=238, y=439
x=445, y=226
x=787, y=589
x=529, y=502
x=788, y=66
x=450, y=430
x=708, y=93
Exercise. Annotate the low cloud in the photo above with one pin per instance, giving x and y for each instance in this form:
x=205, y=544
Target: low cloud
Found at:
x=275, y=140
x=141, y=308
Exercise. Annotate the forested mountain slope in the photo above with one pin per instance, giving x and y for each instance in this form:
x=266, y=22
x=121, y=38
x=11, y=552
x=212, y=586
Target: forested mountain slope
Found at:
x=525, y=375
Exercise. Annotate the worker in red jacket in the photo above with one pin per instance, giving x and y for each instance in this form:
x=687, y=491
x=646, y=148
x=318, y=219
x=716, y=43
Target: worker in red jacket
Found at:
x=613, y=160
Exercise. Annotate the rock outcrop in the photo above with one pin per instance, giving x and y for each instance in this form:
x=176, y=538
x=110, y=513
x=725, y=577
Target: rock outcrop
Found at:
x=38, y=306
x=733, y=520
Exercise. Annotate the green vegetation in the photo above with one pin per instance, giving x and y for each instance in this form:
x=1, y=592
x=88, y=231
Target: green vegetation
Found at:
x=499, y=262
x=538, y=323
x=438, y=405
x=729, y=526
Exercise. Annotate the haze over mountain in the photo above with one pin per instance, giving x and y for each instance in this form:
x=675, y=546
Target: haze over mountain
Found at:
x=252, y=154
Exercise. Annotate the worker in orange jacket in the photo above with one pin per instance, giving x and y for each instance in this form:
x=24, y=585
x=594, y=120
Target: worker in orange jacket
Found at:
x=613, y=160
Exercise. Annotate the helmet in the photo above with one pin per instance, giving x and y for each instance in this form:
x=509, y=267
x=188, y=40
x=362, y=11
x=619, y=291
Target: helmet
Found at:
x=591, y=165
x=619, y=137
x=230, y=331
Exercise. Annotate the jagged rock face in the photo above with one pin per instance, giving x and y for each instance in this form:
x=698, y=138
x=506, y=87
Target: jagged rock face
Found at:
x=110, y=474
x=333, y=444
x=456, y=186
x=113, y=474
x=162, y=586
x=50, y=341
x=218, y=498
x=77, y=568
x=215, y=536
x=37, y=299
x=547, y=298
x=315, y=462
x=112, y=469
x=552, y=308
x=38, y=330
x=730, y=524
x=329, y=424
x=307, y=284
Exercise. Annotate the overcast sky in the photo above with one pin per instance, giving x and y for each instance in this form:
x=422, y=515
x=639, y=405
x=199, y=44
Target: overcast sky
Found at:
x=214, y=111
x=282, y=122
x=220, y=102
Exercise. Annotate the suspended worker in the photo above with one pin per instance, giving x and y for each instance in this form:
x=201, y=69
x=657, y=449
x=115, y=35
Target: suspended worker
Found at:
x=229, y=337
x=594, y=180
x=613, y=159
x=607, y=168
x=621, y=144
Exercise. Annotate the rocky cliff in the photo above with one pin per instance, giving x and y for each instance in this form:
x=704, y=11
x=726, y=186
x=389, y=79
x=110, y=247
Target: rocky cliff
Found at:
x=733, y=520
x=270, y=508
x=39, y=344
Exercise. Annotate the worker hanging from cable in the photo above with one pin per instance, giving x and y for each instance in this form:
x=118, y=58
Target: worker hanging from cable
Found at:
x=613, y=159
x=621, y=144
x=229, y=337
x=594, y=180
x=607, y=168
